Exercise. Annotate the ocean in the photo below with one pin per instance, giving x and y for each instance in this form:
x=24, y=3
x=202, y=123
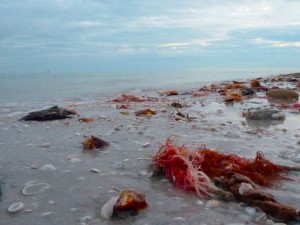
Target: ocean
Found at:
x=22, y=92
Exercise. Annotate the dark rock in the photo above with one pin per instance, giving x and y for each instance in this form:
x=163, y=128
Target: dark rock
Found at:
x=248, y=91
x=53, y=113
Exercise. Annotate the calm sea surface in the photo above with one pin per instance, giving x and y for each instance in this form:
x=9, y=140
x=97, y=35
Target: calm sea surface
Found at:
x=22, y=90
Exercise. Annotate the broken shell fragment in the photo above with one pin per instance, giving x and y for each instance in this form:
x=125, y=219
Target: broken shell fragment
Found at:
x=108, y=208
x=15, y=207
x=129, y=203
x=35, y=188
x=93, y=142
x=145, y=112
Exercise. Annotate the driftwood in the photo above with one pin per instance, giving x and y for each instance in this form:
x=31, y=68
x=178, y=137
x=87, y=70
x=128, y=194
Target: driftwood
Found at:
x=53, y=113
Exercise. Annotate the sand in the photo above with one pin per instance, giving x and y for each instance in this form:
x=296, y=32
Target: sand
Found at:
x=76, y=194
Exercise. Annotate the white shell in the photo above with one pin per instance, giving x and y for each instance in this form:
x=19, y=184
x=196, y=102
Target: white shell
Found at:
x=250, y=211
x=278, y=116
x=244, y=188
x=75, y=160
x=35, y=188
x=94, y=170
x=48, y=167
x=15, y=207
x=212, y=203
x=45, y=145
x=108, y=208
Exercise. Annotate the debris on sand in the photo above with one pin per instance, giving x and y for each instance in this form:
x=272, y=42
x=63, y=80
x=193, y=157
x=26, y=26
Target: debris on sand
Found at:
x=128, y=203
x=145, y=112
x=264, y=114
x=86, y=120
x=244, y=190
x=126, y=98
x=53, y=113
x=177, y=162
x=282, y=93
x=93, y=143
x=234, y=177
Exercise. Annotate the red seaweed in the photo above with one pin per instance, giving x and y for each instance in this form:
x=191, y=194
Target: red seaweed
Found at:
x=125, y=98
x=177, y=162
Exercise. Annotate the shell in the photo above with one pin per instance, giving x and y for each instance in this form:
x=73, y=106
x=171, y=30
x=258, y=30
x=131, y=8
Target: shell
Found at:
x=244, y=188
x=35, y=188
x=15, y=207
x=48, y=167
x=130, y=199
x=108, y=208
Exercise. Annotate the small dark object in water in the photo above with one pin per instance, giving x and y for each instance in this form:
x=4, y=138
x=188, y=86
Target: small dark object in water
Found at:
x=176, y=105
x=53, y=113
x=248, y=91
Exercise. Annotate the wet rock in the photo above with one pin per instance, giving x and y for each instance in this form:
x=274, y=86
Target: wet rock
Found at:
x=15, y=207
x=53, y=113
x=282, y=93
x=247, y=91
x=264, y=114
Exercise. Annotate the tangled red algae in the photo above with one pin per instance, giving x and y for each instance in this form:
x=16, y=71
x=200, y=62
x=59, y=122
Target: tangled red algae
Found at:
x=193, y=170
x=125, y=98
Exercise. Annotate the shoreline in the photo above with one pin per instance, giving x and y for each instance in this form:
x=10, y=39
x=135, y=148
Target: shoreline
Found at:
x=76, y=195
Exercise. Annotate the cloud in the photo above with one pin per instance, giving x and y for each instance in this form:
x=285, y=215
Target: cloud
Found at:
x=277, y=44
x=113, y=28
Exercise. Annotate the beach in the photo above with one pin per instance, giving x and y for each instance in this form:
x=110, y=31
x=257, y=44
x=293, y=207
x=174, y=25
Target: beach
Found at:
x=80, y=181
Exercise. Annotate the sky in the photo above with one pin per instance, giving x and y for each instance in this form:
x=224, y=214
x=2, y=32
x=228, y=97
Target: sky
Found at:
x=148, y=36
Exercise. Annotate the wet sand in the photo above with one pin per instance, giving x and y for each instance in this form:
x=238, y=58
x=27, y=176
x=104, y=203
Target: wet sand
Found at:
x=76, y=194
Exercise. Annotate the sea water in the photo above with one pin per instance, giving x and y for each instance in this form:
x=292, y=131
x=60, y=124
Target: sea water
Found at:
x=21, y=92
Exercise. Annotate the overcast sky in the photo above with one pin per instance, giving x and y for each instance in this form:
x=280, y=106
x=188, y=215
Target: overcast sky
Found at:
x=142, y=36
